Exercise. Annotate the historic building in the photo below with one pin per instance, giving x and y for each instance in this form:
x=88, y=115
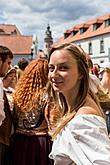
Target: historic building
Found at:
x=20, y=45
x=93, y=36
x=48, y=40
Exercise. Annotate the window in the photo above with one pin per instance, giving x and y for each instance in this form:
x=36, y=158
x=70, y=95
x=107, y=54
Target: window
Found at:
x=107, y=22
x=66, y=35
x=2, y=31
x=90, y=48
x=102, y=61
x=79, y=45
x=96, y=26
x=101, y=46
x=73, y=33
x=14, y=32
x=82, y=30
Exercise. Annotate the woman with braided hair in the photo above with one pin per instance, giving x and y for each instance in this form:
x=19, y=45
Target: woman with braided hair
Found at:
x=31, y=143
x=79, y=131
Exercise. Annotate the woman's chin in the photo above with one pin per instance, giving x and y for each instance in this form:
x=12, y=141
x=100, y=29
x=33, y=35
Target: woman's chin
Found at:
x=57, y=89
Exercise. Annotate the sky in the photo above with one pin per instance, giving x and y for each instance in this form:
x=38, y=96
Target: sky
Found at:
x=32, y=16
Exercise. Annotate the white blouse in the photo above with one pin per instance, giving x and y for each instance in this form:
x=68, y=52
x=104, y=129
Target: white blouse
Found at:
x=2, y=113
x=84, y=140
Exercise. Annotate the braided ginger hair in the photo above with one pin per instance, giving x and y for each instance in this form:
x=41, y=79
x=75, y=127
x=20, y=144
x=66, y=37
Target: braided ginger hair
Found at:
x=31, y=85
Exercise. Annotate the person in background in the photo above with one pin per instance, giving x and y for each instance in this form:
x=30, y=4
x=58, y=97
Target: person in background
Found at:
x=6, y=57
x=96, y=69
x=79, y=133
x=31, y=143
x=22, y=64
x=106, y=79
x=105, y=82
x=94, y=82
x=9, y=83
x=99, y=90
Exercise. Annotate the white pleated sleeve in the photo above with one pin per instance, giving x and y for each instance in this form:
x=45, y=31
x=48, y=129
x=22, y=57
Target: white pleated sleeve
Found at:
x=2, y=113
x=84, y=140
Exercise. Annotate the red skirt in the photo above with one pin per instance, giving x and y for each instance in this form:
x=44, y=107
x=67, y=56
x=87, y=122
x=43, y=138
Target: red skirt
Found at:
x=31, y=150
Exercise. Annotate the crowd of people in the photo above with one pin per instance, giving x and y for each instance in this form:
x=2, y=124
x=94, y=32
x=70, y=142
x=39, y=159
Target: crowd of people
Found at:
x=52, y=110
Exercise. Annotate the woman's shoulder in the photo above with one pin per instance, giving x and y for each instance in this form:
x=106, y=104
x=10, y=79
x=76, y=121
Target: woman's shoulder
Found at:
x=87, y=110
x=85, y=120
x=90, y=108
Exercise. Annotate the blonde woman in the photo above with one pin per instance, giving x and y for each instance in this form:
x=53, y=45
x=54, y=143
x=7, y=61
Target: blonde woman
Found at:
x=79, y=131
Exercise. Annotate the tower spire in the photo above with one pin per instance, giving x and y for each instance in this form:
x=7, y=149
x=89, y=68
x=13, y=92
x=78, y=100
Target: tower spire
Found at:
x=48, y=40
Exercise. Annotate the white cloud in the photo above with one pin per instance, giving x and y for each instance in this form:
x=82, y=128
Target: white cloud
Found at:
x=32, y=16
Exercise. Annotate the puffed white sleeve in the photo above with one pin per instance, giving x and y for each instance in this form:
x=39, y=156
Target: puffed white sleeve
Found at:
x=90, y=132
x=84, y=140
x=2, y=113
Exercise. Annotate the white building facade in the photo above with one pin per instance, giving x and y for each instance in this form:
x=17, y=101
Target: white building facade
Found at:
x=93, y=36
x=97, y=47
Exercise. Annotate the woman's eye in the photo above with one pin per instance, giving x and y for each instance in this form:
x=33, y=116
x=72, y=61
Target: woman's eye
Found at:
x=63, y=68
x=51, y=69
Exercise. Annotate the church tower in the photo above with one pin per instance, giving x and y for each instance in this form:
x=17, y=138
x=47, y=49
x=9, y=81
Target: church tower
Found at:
x=48, y=40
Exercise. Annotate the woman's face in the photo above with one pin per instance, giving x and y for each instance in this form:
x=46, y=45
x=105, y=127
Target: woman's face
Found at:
x=10, y=79
x=63, y=71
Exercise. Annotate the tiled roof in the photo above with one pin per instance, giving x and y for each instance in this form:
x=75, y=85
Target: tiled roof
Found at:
x=17, y=44
x=9, y=29
x=89, y=32
x=11, y=37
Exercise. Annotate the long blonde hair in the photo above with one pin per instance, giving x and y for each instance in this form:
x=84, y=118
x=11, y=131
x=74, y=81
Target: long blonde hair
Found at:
x=83, y=91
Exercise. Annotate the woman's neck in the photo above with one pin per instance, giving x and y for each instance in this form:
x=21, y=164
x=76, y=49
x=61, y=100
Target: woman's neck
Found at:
x=5, y=85
x=70, y=97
